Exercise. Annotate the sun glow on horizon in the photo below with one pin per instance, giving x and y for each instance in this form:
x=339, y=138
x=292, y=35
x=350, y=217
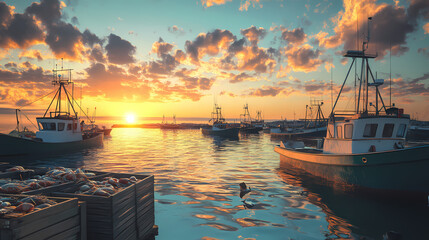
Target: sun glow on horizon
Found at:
x=130, y=118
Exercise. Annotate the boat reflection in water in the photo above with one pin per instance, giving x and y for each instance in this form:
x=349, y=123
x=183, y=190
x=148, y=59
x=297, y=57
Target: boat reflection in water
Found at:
x=354, y=213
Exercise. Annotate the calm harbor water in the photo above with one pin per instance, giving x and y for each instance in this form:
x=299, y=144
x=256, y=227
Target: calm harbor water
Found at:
x=197, y=191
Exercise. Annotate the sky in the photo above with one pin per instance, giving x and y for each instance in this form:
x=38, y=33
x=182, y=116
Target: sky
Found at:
x=159, y=57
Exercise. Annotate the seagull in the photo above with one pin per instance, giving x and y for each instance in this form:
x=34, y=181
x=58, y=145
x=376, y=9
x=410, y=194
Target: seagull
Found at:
x=248, y=204
x=244, y=190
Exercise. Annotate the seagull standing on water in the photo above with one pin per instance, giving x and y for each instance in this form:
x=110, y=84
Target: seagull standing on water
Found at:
x=244, y=193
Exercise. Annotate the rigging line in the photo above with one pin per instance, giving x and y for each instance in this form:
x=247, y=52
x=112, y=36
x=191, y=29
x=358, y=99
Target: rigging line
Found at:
x=37, y=99
x=29, y=119
x=82, y=110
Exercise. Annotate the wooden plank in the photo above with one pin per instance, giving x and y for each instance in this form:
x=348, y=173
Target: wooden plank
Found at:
x=62, y=204
x=24, y=229
x=83, y=225
x=129, y=223
x=54, y=229
x=68, y=234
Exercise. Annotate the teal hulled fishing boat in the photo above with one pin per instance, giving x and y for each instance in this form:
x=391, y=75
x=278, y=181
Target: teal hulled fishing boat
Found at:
x=365, y=148
x=59, y=131
x=219, y=126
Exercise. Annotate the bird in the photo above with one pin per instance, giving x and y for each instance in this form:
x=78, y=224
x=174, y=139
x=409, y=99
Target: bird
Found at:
x=244, y=190
x=248, y=204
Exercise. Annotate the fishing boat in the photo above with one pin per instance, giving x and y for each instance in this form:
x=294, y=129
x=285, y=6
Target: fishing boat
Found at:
x=311, y=128
x=365, y=147
x=58, y=131
x=247, y=125
x=219, y=126
x=166, y=125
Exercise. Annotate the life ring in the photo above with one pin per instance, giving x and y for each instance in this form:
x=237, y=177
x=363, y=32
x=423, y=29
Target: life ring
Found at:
x=364, y=160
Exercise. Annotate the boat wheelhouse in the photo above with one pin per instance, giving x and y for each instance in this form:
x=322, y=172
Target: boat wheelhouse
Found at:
x=362, y=133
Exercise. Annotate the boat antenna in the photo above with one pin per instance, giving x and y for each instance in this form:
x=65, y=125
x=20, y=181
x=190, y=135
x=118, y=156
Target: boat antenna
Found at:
x=332, y=86
x=390, y=73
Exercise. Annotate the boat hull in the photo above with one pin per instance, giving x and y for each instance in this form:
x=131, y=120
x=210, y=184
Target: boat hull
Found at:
x=250, y=130
x=15, y=146
x=228, y=132
x=399, y=170
x=305, y=133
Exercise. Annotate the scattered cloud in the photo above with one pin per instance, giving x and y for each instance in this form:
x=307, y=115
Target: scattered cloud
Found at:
x=176, y=30
x=119, y=51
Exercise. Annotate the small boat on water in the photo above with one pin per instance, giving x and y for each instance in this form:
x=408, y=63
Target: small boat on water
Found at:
x=365, y=148
x=312, y=128
x=166, y=125
x=247, y=125
x=58, y=131
x=219, y=126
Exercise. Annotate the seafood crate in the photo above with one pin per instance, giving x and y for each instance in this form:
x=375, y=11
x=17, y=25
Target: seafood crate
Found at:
x=108, y=217
x=28, y=181
x=145, y=206
x=64, y=219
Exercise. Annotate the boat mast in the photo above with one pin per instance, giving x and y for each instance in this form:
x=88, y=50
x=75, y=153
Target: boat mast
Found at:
x=364, y=84
x=61, y=78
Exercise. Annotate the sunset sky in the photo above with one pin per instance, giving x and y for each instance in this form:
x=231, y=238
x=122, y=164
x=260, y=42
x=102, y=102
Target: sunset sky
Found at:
x=157, y=57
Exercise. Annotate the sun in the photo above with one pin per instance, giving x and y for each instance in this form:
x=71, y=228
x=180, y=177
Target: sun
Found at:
x=130, y=118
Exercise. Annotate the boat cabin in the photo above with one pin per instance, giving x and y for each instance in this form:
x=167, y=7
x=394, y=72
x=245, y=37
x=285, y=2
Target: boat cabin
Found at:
x=363, y=133
x=59, y=129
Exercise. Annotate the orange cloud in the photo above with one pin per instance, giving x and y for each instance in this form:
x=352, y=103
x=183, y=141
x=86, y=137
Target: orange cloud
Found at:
x=31, y=54
x=426, y=28
x=208, y=43
x=389, y=28
x=160, y=47
x=303, y=59
x=245, y=6
x=254, y=34
x=209, y=3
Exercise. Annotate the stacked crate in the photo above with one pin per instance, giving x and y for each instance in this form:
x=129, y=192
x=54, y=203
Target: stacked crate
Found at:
x=64, y=220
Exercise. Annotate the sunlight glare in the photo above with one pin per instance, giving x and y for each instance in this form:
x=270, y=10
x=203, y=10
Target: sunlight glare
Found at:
x=130, y=117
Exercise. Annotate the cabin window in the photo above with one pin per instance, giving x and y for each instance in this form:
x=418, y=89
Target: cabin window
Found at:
x=388, y=129
x=339, y=132
x=370, y=130
x=348, y=131
x=61, y=126
x=74, y=126
x=401, y=130
x=331, y=130
x=48, y=126
x=69, y=127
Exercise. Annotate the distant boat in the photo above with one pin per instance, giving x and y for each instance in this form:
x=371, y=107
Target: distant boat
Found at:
x=312, y=127
x=219, y=126
x=418, y=133
x=59, y=131
x=166, y=125
x=366, y=148
x=247, y=125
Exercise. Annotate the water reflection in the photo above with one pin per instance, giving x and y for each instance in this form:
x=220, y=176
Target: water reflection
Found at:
x=197, y=189
x=353, y=214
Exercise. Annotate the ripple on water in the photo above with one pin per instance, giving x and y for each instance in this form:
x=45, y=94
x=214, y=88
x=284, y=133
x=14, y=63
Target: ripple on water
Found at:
x=197, y=191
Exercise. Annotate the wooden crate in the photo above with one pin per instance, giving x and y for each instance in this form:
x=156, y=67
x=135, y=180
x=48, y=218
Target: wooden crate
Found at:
x=110, y=217
x=63, y=220
x=145, y=203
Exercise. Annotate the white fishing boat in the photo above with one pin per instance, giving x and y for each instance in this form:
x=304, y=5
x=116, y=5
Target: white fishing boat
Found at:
x=365, y=147
x=58, y=131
